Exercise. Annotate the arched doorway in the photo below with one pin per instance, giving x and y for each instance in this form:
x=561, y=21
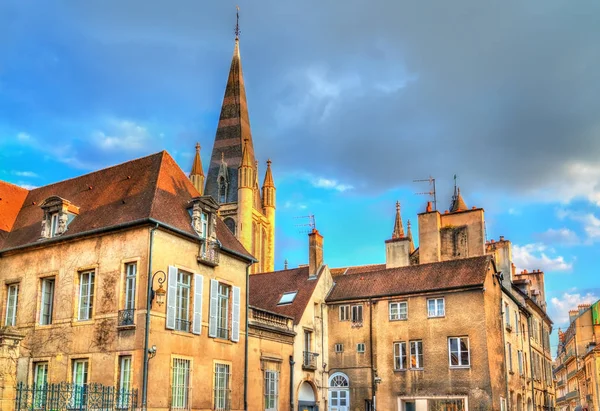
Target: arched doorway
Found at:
x=306, y=398
x=339, y=392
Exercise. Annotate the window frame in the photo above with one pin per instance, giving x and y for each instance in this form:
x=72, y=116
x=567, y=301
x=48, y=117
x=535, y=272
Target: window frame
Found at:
x=180, y=383
x=183, y=301
x=459, y=352
x=344, y=313
x=223, y=301
x=509, y=354
x=338, y=348
x=130, y=286
x=358, y=308
x=400, y=355
x=291, y=296
x=124, y=381
x=43, y=300
x=54, y=224
x=11, y=309
x=398, y=316
x=222, y=389
x=360, y=348
x=418, y=354
x=89, y=296
x=271, y=391
x=436, y=311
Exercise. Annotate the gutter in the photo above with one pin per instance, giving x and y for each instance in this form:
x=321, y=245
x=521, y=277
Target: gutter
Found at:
x=437, y=290
x=292, y=362
x=147, y=329
x=246, y=345
x=371, y=352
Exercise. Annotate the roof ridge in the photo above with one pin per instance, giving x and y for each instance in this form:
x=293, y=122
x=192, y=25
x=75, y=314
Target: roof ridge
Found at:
x=15, y=185
x=281, y=271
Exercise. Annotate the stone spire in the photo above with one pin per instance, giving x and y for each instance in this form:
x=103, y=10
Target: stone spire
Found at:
x=410, y=237
x=197, y=174
x=458, y=204
x=233, y=131
x=268, y=188
x=398, y=228
x=246, y=178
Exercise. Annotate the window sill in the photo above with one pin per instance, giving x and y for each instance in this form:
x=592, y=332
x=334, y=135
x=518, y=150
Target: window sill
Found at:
x=126, y=327
x=182, y=333
x=400, y=370
x=460, y=367
x=416, y=369
x=222, y=341
x=77, y=323
x=436, y=316
x=398, y=319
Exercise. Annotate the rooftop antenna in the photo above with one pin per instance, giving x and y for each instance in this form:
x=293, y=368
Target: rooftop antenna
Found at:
x=455, y=195
x=431, y=192
x=237, y=22
x=310, y=224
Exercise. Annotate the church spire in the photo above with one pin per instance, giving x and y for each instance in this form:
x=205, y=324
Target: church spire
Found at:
x=197, y=174
x=398, y=228
x=458, y=204
x=233, y=129
x=410, y=237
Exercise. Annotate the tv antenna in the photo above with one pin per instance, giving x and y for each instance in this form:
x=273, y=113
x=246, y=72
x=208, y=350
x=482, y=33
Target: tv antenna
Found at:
x=310, y=224
x=431, y=192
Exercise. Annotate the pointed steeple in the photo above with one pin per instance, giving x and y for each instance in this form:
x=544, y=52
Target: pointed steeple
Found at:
x=458, y=204
x=268, y=182
x=398, y=228
x=268, y=188
x=410, y=237
x=197, y=174
x=246, y=178
x=232, y=131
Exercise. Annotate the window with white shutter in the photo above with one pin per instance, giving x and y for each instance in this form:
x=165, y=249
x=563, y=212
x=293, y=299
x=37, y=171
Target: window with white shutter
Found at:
x=197, y=318
x=214, y=307
x=235, y=318
x=171, y=297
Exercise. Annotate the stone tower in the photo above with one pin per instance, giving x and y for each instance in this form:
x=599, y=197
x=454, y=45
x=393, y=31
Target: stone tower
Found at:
x=232, y=177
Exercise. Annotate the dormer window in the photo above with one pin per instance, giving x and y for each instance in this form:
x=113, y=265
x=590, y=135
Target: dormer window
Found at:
x=58, y=214
x=287, y=298
x=203, y=211
x=203, y=225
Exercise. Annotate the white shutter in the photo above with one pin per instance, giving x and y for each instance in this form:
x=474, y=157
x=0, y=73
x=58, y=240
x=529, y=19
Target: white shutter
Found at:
x=171, y=297
x=214, y=301
x=197, y=318
x=235, y=318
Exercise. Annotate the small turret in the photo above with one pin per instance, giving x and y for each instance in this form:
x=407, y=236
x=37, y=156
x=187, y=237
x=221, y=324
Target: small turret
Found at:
x=268, y=203
x=397, y=249
x=197, y=174
x=398, y=227
x=245, y=194
x=410, y=237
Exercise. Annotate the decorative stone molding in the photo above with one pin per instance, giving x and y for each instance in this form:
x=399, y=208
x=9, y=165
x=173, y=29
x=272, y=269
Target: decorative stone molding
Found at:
x=207, y=205
x=65, y=210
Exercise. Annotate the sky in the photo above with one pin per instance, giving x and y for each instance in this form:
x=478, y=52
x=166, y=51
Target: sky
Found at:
x=352, y=102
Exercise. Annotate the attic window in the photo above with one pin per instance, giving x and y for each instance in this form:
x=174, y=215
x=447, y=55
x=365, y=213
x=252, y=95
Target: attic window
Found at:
x=203, y=213
x=53, y=224
x=58, y=214
x=287, y=298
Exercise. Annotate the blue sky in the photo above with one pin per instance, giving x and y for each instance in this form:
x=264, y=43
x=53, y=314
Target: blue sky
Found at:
x=351, y=103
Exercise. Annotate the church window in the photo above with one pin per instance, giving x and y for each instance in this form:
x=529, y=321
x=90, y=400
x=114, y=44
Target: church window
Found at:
x=222, y=190
x=230, y=223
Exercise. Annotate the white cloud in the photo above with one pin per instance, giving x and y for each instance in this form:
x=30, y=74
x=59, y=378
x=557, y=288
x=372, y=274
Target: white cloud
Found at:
x=25, y=185
x=577, y=180
x=331, y=184
x=24, y=137
x=294, y=205
x=24, y=173
x=568, y=301
x=562, y=236
x=514, y=211
x=590, y=223
x=122, y=135
x=535, y=256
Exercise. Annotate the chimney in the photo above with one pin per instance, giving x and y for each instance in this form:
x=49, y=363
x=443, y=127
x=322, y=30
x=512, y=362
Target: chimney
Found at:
x=397, y=252
x=315, y=252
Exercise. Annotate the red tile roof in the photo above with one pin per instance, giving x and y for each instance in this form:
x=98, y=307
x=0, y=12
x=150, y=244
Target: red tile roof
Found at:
x=11, y=201
x=356, y=269
x=460, y=273
x=152, y=187
x=266, y=290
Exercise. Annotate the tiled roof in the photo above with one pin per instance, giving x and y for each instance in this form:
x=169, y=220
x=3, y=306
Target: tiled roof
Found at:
x=359, y=269
x=152, y=187
x=459, y=273
x=266, y=290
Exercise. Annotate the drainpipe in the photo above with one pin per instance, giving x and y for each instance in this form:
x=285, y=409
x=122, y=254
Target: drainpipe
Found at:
x=371, y=352
x=323, y=350
x=147, y=333
x=502, y=314
x=292, y=382
x=246, y=341
x=531, y=363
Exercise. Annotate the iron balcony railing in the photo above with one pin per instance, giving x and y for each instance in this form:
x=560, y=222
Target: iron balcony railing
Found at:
x=571, y=395
x=182, y=325
x=66, y=396
x=310, y=360
x=126, y=317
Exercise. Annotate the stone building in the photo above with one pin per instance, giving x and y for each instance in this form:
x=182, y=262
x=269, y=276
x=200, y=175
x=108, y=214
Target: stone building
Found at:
x=577, y=364
x=299, y=293
x=77, y=259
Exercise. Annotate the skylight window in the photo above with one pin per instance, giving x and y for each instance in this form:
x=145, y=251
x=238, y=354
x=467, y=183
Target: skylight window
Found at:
x=287, y=298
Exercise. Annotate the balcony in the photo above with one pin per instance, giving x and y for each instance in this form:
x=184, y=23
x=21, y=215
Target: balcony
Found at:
x=259, y=317
x=309, y=361
x=126, y=318
x=572, y=395
x=209, y=253
x=571, y=374
x=560, y=383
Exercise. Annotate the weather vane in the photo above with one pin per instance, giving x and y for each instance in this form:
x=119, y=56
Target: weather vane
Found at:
x=237, y=22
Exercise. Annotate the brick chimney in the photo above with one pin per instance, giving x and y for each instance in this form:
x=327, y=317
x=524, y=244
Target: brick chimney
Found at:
x=315, y=252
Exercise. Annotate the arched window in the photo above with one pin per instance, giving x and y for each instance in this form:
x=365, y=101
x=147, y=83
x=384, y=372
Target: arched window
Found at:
x=222, y=190
x=339, y=392
x=230, y=223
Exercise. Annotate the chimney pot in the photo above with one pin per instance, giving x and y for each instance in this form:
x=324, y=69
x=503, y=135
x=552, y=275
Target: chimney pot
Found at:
x=428, y=209
x=524, y=271
x=473, y=208
x=501, y=238
x=492, y=241
x=315, y=252
x=445, y=211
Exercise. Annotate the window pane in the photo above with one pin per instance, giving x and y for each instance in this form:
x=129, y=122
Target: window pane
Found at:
x=464, y=351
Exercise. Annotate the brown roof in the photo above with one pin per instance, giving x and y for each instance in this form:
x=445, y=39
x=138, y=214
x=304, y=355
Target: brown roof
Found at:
x=11, y=200
x=359, y=269
x=266, y=290
x=152, y=187
x=467, y=272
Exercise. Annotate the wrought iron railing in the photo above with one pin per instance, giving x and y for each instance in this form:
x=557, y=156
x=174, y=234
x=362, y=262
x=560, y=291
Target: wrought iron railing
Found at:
x=209, y=253
x=310, y=360
x=126, y=317
x=66, y=396
x=182, y=325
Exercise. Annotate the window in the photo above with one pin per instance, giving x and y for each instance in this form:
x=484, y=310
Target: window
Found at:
x=399, y=311
x=435, y=307
x=181, y=384
x=182, y=308
x=222, y=190
x=80, y=378
x=507, y=315
x=516, y=321
x=503, y=404
x=339, y=348
x=47, y=301
x=287, y=298
x=130, y=275
x=400, y=358
x=12, y=294
x=40, y=380
x=520, y=361
x=230, y=223
x=223, y=312
x=360, y=347
x=458, y=347
x=509, y=354
x=271, y=390
x=357, y=314
x=53, y=224
x=416, y=354
x=203, y=232
x=124, y=381
x=86, y=295
x=344, y=313
x=222, y=389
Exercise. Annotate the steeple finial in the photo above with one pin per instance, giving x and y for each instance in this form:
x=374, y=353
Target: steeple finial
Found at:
x=398, y=228
x=197, y=164
x=237, y=23
x=458, y=204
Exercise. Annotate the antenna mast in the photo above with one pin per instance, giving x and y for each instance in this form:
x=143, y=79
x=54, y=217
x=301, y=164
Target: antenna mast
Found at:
x=311, y=223
x=431, y=192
